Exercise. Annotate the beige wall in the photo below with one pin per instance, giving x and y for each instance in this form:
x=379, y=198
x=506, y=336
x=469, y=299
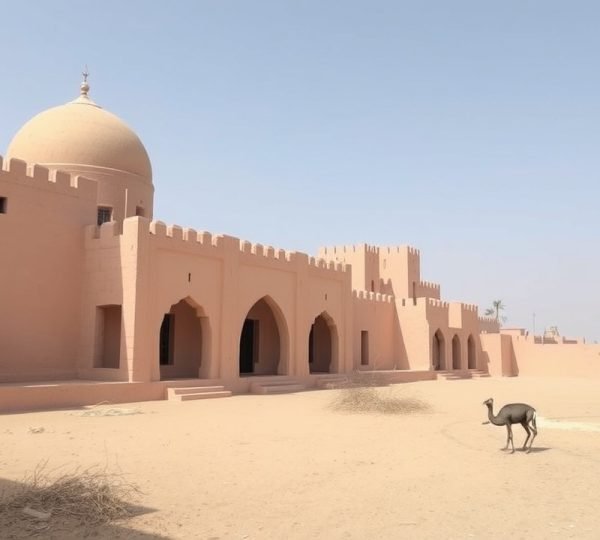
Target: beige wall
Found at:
x=144, y=269
x=42, y=246
x=376, y=315
x=150, y=267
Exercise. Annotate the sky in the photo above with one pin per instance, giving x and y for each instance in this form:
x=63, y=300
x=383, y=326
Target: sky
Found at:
x=467, y=129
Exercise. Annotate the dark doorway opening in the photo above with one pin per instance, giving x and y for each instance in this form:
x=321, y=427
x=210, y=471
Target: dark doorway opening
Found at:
x=471, y=354
x=437, y=353
x=320, y=345
x=184, y=342
x=456, y=352
x=247, y=346
x=166, y=340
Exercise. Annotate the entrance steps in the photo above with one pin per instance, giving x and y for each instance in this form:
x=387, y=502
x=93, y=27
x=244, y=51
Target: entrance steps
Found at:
x=188, y=393
x=276, y=386
x=456, y=374
x=329, y=382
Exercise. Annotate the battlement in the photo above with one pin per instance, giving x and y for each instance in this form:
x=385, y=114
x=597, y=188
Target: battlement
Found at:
x=391, y=250
x=372, y=297
x=185, y=235
x=429, y=285
x=34, y=175
x=332, y=251
x=488, y=325
x=434, y=302
x=177, y=237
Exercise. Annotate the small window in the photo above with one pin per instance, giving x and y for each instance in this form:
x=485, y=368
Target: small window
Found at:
x=139, y=211
x=364, y=348
x=104, y=214
x=2, y=205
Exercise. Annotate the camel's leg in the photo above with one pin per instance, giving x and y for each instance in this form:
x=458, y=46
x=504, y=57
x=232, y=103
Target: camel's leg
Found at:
x=534, y=429
x=510, y=437
x=507, y=437
x=526, y=428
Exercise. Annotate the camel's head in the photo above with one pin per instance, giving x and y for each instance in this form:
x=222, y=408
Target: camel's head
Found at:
x=489, y=402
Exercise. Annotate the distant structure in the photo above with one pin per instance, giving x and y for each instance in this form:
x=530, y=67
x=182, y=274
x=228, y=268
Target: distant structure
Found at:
x=94, y=290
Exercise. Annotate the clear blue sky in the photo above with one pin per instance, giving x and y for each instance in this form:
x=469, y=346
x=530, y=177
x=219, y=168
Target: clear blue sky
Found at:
x=470, y=130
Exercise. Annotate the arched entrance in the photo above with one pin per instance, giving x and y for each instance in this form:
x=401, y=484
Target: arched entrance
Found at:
x=471, y=353
x=456, y=352
x=263, y=340
x=184, y=343
x=322, y=345
x=438, y=360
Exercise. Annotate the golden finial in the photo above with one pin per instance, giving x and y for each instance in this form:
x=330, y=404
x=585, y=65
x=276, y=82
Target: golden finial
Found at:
x=85, y=87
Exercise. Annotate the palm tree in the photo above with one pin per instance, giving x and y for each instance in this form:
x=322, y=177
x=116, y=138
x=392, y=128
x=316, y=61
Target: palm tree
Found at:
x=494, y=311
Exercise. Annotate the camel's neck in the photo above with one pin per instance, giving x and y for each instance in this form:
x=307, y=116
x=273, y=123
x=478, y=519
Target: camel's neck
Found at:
x=492, y=418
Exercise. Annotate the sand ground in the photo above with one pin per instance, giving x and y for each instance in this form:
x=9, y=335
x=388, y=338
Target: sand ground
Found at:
x=289, y=467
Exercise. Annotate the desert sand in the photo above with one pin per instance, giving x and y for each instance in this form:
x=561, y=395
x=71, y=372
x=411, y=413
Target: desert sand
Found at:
x=290, y=467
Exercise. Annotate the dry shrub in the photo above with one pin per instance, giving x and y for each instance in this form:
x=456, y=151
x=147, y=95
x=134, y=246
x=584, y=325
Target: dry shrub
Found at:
x=87, y=498
x=360, y=395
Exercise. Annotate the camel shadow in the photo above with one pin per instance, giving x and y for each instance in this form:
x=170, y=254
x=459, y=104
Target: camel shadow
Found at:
x=535, y=450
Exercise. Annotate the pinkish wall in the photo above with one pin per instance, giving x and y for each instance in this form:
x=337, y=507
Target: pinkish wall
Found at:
x=41, y=241
x=376, y=315
x=224, y=278
x=510, y=355
x=498, y=355
x=556, y=360
x=364, y=260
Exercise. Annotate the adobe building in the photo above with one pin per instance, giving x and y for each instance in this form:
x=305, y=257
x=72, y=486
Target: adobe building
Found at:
x=101, y=302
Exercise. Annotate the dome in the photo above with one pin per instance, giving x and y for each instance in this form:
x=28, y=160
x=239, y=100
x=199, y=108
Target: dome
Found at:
x=81, y=135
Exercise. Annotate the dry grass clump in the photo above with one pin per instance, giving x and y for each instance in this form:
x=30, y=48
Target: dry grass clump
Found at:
x=87, y=498
x=360, y=395
x=370, y=400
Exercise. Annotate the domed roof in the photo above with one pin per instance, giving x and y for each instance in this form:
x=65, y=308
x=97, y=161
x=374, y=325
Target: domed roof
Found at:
x=81, y=133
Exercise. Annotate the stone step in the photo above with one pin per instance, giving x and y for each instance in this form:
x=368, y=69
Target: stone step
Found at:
x=460, y=374
x=280, y=387
x=201, y=395
x=187, y=393
x=194, y=389
x=332, y=382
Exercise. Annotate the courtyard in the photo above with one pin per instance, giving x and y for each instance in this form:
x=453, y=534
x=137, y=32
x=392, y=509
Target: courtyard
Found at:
x=290, y=466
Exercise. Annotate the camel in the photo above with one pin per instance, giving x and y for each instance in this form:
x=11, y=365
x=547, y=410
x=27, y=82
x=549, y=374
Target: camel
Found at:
x=514, y=413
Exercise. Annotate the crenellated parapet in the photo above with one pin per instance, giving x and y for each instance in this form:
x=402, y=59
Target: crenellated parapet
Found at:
x=429, y=289
x=488, y=325
x=369, y=296
x=398, y=250
x=437, y=304
x=36, y=176
x=341, y=251
x=203, y=243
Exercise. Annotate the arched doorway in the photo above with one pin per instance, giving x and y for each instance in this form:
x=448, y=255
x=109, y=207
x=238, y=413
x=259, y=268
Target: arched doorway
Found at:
x=263, y=340
x=456, y=352
x=471, y=353
x=322, y=345
x=184, y=342
x=438, y=360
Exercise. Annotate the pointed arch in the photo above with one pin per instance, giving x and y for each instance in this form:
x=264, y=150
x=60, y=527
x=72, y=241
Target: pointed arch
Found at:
x=438, y=348
x=185, y=341
x=456, y=352
x=471, y=353
x=264, y=340
x=323, y=345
